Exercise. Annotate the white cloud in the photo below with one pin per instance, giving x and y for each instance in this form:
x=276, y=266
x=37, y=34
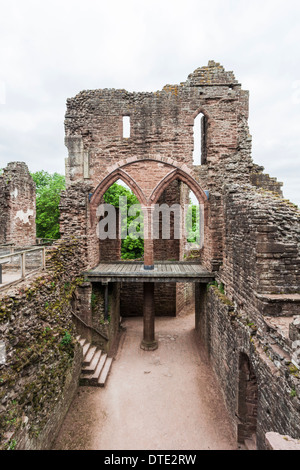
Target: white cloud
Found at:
x=49, y=51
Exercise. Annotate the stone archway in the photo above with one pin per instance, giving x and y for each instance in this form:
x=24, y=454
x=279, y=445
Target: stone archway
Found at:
x=148, y=179
x=107, y=182
x=145, y=196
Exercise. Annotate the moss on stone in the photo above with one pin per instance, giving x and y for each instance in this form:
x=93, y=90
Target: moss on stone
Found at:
x=40, y=344
x=218, y=289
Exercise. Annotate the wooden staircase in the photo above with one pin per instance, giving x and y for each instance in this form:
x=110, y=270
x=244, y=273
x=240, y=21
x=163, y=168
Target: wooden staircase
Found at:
x=95, y=366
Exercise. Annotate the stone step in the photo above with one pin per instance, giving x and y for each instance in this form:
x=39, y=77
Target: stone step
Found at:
x=95, y=366
x=85, y=380
x=89, y=356
x=95, y=377
x=90, y=369
x=82, y=341
x=85, y=348
x=105, y=372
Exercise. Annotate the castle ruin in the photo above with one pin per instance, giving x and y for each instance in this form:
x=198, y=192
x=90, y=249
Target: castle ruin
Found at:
x=244, y=282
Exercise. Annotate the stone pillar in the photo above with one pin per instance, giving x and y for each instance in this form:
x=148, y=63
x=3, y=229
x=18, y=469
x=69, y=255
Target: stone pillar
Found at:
x=148, y=237
x=149, y=343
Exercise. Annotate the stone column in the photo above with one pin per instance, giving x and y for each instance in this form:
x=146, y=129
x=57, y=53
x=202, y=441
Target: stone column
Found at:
x=149, y=343
x=148, y=237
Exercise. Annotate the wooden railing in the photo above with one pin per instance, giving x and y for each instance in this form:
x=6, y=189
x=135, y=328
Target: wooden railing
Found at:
x=7, y=258
x=89, y=327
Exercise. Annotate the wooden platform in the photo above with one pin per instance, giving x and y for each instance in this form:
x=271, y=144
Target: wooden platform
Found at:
x=128, y=271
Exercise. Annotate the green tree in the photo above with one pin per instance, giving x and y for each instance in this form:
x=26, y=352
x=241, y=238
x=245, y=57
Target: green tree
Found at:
x=131, y=248
x=48, y=189
x=194, y=229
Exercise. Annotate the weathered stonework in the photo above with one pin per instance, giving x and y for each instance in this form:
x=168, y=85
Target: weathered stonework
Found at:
x=249, y=321
x=255, y=311
x=262, y=180
x=275, y=441
x=43, y=361
x=228, y=334
x=17, y=206
x=160, y=147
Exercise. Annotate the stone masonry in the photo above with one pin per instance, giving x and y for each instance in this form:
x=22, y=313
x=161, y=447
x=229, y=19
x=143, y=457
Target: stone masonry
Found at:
x=17, y=206
x=40, y=374
x=249, y=319
x=160, y=147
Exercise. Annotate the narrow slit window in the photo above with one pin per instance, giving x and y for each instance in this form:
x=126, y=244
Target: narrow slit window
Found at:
x=200, y=129
x=126, y=127
x=197, y=140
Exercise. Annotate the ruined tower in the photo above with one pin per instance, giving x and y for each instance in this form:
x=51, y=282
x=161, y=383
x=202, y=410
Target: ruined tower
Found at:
x=17, y=206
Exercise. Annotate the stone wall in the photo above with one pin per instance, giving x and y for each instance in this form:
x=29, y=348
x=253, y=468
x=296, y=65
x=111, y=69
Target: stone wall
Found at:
x=185, y=296
x=252, y=314
x=161, y=124
x=75, y=222
x=262, y=180
x=261, y=250
x=168, y=249
x=227, y=334
x=17, y=206
x=131, y=299
x=160, y=147
x=88, y=306
x=249, y=322
x=43, y=360
x=109, y=327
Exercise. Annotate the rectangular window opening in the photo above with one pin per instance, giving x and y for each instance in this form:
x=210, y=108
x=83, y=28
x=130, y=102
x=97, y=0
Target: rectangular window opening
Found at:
x=197, y=141
x=200, y=138
x=126, y=127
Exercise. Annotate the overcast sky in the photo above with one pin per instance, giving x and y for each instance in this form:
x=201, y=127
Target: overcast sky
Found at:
x=49, y=51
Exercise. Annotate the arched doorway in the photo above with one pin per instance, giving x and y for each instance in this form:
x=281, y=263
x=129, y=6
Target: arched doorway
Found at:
x=154, y=182
x=247, y=403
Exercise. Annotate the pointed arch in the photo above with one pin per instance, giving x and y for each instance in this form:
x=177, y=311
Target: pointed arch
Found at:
x=203, y=111
x=107, y=182
x=111, y=179
x=180, y=174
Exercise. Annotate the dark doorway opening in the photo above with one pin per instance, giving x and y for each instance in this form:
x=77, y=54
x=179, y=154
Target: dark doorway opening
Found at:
x=247, y=403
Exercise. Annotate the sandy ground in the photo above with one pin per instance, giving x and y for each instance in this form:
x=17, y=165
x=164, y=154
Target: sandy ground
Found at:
x=166, y=399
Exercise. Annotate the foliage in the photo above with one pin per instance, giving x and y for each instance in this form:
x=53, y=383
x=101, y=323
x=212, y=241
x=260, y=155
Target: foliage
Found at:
x=11, y=444
x=115, y=191
x=132, y=247
x=193, y=218
x=48, y=189
x=67, y=339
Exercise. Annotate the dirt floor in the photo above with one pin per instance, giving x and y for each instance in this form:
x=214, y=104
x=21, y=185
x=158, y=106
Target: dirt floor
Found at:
x=166, y=399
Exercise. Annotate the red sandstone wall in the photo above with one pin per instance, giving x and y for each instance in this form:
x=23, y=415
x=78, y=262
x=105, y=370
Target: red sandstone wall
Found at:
x=255, y=310
x=131, y=299
x=161, y=140
x=17, y=206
